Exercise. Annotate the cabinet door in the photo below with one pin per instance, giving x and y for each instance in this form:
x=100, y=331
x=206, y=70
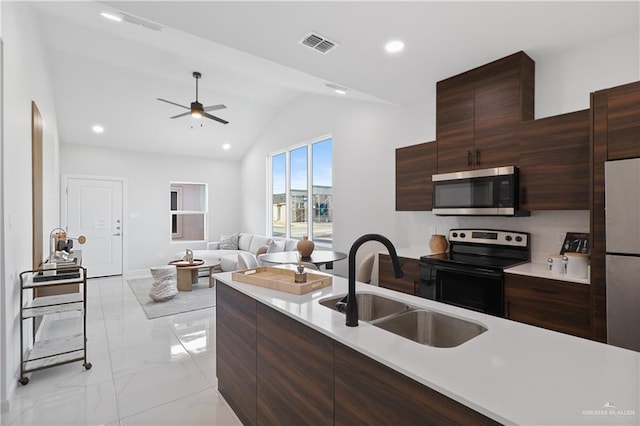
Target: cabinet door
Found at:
x=407, y=284
x=496, y=115
x=236, y=351
x=623, y=125
x=556, y=305
x=478, y=113
x=369, y=393
x=554, y=162
x=414, y=166
x=295, y=372
x=454, y=126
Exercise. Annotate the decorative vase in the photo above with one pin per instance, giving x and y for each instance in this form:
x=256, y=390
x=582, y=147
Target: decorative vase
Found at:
x=305, y=246
x=438, y=244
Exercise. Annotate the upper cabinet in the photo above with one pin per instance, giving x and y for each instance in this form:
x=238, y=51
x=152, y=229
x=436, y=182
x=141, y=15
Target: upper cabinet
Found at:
x=414, y=166
x=623, y=120
x=554, y=162
x=478, y=114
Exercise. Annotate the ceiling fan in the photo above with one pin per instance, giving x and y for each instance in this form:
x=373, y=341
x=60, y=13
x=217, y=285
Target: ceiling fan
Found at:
x=197, y=110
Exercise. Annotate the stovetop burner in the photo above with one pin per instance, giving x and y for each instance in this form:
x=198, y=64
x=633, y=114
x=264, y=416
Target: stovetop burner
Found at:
x=483, y=248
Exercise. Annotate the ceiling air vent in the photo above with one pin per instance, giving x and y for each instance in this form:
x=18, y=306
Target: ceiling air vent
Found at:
x=142, y=22
x=318, y=43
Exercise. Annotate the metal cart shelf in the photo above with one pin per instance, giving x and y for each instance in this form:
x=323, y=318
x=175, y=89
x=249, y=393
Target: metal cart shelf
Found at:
x=62, y=350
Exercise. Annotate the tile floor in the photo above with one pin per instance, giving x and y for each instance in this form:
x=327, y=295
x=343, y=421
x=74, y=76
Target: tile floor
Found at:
x=145, y=372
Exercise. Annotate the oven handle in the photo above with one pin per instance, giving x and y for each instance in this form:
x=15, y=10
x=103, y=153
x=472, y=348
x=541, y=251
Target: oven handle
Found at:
x=466, y=271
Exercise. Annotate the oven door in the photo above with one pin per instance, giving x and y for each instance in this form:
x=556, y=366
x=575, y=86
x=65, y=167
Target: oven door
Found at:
x=474, y=288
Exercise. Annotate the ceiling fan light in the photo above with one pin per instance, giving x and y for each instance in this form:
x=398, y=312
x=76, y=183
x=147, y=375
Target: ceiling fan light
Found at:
x=196, y=114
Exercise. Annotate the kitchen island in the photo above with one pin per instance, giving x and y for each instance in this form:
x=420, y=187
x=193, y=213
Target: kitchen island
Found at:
x=511, y=374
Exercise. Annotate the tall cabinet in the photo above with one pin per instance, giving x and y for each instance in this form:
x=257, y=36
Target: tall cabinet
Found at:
x=615, y=135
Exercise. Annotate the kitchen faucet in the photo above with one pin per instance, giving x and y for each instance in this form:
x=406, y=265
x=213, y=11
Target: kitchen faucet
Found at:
x=352, y=305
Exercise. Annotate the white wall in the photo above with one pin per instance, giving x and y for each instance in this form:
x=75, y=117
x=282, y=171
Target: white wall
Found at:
x=146, y=224
x=25, y=78
x=365, y=137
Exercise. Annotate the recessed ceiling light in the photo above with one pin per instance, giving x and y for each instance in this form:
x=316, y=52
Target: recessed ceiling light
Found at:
x=226, y=147
x=111, y=16
x=97, y=129
x=338, y=89
x=394, y=46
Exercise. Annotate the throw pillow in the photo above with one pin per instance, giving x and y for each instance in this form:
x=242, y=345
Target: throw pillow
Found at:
x=229, y=242
x=276, y=246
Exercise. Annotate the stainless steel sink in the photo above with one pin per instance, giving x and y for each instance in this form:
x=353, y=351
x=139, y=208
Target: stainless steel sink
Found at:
x=370, y=306
x=431, y=328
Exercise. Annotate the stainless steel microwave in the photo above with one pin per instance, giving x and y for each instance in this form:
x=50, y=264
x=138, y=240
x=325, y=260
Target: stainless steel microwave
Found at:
x=484, y=192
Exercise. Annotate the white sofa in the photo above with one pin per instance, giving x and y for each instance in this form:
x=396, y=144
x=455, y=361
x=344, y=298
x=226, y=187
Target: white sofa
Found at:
x=247, y=243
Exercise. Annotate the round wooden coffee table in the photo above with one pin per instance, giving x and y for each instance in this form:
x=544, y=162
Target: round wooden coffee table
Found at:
x=188, y=272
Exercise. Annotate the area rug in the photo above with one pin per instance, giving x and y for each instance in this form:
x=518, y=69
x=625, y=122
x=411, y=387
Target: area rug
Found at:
x=201, y=297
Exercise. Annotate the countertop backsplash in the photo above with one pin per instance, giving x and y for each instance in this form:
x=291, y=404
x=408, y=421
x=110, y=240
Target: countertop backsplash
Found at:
x=547, y=228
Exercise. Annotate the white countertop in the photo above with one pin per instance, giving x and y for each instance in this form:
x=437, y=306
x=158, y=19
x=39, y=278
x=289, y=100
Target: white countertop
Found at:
x=513, y=373
x=542, y=271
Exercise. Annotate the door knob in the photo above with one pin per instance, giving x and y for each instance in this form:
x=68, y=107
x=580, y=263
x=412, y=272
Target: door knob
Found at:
x=116, y=235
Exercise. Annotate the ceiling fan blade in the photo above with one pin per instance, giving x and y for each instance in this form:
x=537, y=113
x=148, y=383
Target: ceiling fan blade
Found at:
x=173, y=103
x=213, y=117
x=214, y=107
x=181, y=115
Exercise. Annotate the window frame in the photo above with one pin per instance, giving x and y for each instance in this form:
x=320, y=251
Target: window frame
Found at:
x=288, y=199
x=176, y=186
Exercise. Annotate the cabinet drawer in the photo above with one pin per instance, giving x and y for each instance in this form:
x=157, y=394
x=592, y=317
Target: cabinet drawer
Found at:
x=546, y=289
x=407, y=284
x=556, y=305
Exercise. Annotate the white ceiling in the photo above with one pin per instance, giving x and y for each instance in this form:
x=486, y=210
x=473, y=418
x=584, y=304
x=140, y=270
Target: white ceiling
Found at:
x=251, y=60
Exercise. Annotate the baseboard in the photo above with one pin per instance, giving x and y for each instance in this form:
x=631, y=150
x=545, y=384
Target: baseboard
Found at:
x=138, y=273
x=145, y=273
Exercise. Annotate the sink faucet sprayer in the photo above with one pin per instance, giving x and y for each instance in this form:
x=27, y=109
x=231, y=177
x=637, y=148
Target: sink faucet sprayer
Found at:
x=352, y=305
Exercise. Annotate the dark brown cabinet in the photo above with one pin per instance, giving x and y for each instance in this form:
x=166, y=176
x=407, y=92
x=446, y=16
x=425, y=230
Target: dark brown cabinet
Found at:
x=236, y=355
x=478, y=113
x=295, y=372
x=271, y=369
x=414, y=166
x=369, y=393
x=556, y=305
x=615, y=134
x=407, y=284
x=554, y=162
x=623, y=121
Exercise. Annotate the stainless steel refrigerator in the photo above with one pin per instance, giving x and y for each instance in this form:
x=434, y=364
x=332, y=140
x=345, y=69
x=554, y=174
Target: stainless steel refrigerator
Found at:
x=622, y=186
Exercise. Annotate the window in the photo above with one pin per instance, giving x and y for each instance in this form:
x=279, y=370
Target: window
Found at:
x=301, y=192
x=188, y=211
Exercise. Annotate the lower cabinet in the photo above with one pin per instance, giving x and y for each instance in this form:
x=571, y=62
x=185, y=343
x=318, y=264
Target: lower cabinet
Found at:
x=236, y=337
x=556, y=305
x=407, y=284
x=274, y=370
x=369, y=393
x=295, y=372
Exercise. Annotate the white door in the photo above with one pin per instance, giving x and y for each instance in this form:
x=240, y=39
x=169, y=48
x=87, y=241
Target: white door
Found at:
x=94, y=209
